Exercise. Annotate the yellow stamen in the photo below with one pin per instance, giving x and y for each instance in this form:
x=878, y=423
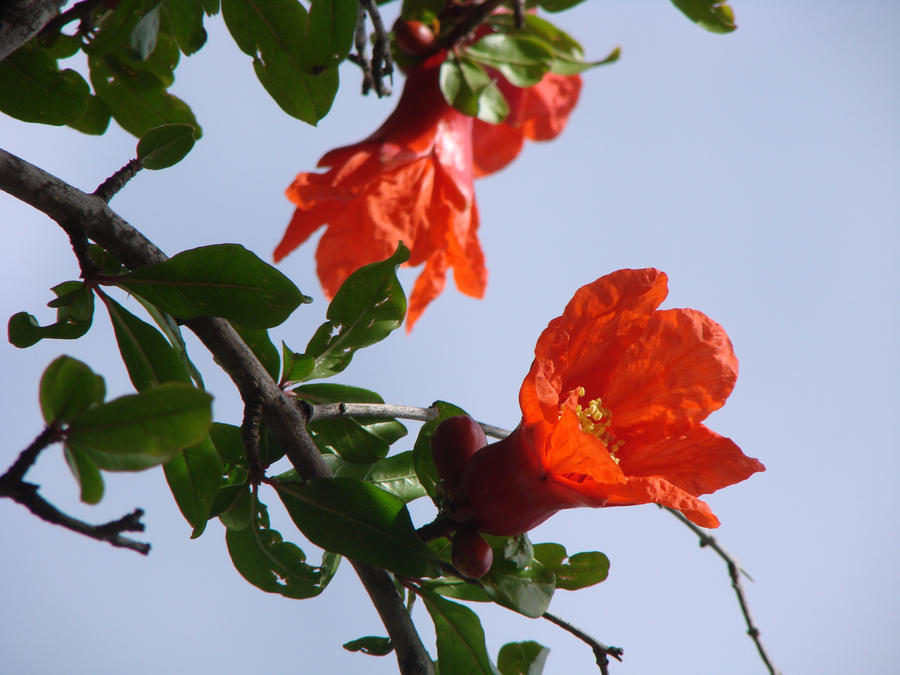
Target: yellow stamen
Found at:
x=596, y=420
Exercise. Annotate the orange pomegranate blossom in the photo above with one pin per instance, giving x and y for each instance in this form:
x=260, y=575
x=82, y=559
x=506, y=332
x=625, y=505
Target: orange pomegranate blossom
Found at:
x=612, y=413
x=411, y=181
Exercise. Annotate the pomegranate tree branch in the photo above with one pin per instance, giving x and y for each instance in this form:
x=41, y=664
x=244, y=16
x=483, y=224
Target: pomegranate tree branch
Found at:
x=73, y=209
x=601, y=651
x=408, y=412
x=734, y=572
x=20, y=20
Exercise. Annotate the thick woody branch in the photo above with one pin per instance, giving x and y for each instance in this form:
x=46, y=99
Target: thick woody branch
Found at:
x=72, y=208
x=20, y=20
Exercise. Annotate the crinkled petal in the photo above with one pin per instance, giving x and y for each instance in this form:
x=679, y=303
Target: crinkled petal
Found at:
x=584, y=342
x=699, y=462
x=547, y=105
x=577, y=456
x=427, y=287
x=671, y=377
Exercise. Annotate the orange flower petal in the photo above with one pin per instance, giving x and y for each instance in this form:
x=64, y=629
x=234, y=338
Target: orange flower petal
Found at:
x=699, y=462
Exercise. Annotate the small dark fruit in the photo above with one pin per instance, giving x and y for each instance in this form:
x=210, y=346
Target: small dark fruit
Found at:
x=413, y=37
x=453, y=443
x=471, y=554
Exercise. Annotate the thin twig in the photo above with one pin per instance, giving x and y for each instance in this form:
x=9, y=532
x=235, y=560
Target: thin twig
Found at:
x=29, y=455
x=108, y=188
x=734, y=572
x=407, y=412
x=81, y=11
x=360, y=40
x=601, y=651
x=474, y=19
x=382, y=66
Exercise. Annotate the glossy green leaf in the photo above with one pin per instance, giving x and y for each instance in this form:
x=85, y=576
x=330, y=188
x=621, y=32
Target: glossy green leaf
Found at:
x=86, y=474
x=232, y=505
x=558, y=5
x=296, y=367
x=142, y=40
x=395, y=474
x=332, y=25
x=573, y=572
x=74, y=306
x=273, y=32
x=367, y=307
x=116, y=27
x=161, y=63
x=165, y=146
x=60, y=45
x=224, y=280
x=522, y=59
x=362, y=440
x=230, y=443
x=468, y=88
x=95, y=120
x=522, y=658
x=358, y=520
x=137, y=98
x=370, y=644
x=268, y=562
x=186, y=17
x=195, y=477
x=134, y=432
x=527, y=591
x=170, y=328
x=460, y=637
x=34, y=89
x=422, y=460
x=148, y=357
x=714, y=15
x=69, y=388
x=260, y=344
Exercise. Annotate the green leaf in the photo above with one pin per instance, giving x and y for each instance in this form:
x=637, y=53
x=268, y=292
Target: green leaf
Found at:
x=332, y=24
x=370, y=644
x=167, y=324
x=186, y=17
x=558, y=5
x=136, y=97
x=460, y=637
x=713, y=15
x=74, y=312
x=95, y=120
x=33, y=89
x=232, y=505
x=367, y=307
x=116, y=27
x=527, y=590
x=224, y=280
x=522, y=59
x=358, y=520
x=165, y=145
x=273, y=32
x=149, y=358
x=86, y=473
x=268, y=562
x=395, y=474
x=142, y=40
x=361, y=440
x=195, y=477
x=581, y=570
x=296, y=367
x=260, y=344
x=522, y=658
x=422, y=460
x=230, y=443
x=68, y=388
x=134, y=432
x=468, y=88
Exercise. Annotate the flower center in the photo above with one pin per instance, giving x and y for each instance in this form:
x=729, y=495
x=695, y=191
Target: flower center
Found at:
x=595, y=419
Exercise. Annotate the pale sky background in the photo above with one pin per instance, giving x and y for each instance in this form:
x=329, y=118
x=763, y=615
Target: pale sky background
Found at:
x=760, y=170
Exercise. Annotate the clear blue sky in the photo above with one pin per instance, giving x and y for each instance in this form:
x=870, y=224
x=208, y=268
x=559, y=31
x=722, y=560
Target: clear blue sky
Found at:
x=760, y=170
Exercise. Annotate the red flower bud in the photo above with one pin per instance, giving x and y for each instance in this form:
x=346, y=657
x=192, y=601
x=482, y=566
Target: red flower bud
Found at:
x=471, y=554
x=413, y=37
x=453, y=442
